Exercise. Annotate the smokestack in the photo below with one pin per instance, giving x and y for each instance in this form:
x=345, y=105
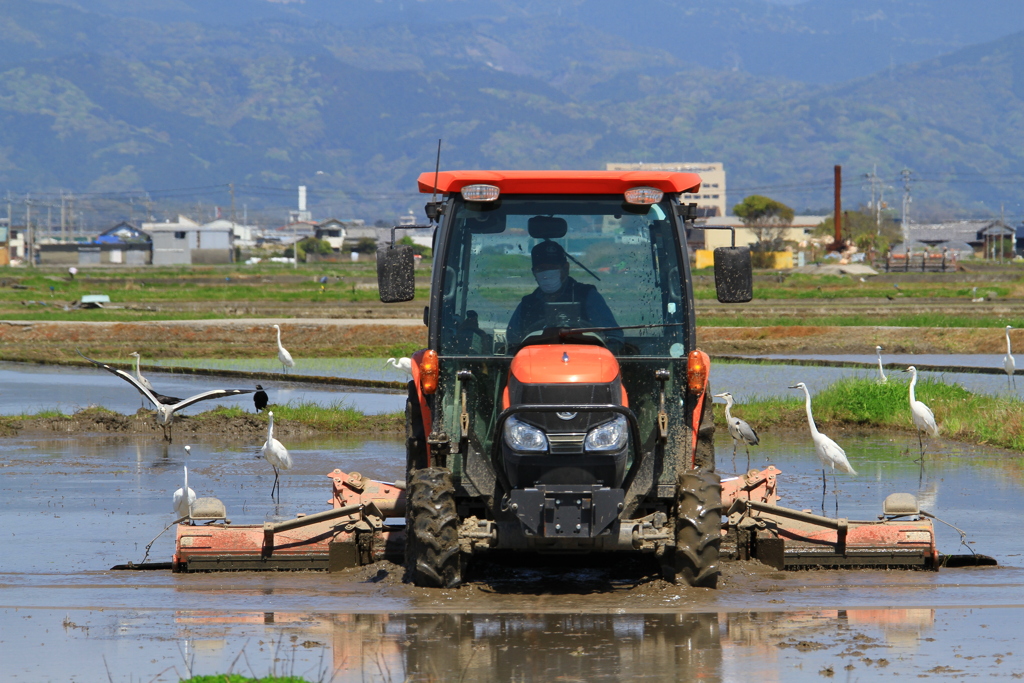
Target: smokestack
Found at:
x=302, y=197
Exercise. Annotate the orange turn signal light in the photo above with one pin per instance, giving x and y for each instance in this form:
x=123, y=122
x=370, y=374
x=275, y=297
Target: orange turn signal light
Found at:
x=429, y=371
x=697, y=372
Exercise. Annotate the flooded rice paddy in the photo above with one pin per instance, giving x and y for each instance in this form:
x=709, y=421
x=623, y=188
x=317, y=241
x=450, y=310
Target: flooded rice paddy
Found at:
x=74, y=507
x=27, y=389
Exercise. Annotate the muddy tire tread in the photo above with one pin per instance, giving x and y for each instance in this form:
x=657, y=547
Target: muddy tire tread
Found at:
x=698, y=528
x=432, y=543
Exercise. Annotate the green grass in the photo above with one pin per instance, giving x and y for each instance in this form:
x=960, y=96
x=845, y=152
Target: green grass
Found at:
x=238, y=678
x=335, y=418
x=744, y=319
x=960, y=414
x=227, y=285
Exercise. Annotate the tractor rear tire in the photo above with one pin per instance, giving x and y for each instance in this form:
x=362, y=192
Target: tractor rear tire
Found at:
x=698, y=528
x=432, y=529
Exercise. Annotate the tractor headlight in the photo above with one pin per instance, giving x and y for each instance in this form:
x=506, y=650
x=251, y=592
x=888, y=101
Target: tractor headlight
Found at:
x=611, y=436
x=524, y=437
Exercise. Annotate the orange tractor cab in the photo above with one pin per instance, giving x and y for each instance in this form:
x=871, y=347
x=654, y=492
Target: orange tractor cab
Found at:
x=562, y=404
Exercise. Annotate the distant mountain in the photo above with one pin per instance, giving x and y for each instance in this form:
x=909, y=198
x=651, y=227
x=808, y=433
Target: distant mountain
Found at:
x=98, y=97
x=815, y=41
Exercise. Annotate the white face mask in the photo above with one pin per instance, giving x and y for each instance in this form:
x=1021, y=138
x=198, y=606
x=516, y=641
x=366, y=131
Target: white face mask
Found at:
x=549, y=281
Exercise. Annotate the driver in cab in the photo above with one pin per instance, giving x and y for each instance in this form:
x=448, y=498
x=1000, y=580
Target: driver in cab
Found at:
x=560, y=301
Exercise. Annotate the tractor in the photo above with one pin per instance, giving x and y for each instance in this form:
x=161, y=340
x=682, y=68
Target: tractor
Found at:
x=562, y=404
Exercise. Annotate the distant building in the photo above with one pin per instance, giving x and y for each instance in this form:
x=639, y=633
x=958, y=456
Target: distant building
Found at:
x=124, y=232
x=295, y=231
x=185, y=242
x=355, y=233
x=339, y=233
x=5, y=253
x=798, y=230
x=123, y=244
x=711, y=201
x=981, y=234
x=241, y=235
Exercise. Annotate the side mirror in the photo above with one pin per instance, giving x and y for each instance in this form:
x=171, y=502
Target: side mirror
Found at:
x=396, y=277
x=734, y=275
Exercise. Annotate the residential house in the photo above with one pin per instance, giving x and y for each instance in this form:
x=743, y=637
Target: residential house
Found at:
x=333, y=232
x=123, y=244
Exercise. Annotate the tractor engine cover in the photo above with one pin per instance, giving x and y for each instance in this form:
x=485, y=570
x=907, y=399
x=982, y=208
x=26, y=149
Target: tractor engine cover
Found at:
x=567, y=375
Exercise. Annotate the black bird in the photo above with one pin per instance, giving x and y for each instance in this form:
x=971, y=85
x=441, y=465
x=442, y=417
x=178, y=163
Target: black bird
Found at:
x=260, y=398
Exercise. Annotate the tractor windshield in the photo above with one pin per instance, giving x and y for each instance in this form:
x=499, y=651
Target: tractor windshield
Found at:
x=521, y=264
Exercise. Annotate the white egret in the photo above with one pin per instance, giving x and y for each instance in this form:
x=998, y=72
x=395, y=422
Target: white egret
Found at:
x=881, y=373
x=184, y=497
x=164, y=410
x=924, y=418
x=739, y=430
x=828, y=451
x=402, y=363
x=276, y=454
x=282, y=353
x=1008, y=363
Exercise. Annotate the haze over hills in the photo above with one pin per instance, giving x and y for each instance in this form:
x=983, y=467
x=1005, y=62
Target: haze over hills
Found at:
x=110, y=96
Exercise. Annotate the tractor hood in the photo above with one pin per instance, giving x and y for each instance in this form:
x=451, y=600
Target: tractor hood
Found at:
x=544, y=372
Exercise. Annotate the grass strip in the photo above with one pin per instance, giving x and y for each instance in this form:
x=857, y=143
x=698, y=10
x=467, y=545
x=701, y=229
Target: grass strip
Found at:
x=238, y=678
x=337, y=417
x=960, y=414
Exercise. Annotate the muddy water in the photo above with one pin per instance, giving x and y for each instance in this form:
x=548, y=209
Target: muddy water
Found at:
x=74, y=507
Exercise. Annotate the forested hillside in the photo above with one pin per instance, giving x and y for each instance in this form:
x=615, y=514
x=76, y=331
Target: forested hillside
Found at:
x=108, y=96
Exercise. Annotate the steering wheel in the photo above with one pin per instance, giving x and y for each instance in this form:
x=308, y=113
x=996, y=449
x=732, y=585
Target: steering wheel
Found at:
x=538, y=337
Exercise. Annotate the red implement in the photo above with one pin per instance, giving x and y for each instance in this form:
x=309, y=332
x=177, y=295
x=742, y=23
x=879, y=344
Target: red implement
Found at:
x=789, y=539
x=351, y=533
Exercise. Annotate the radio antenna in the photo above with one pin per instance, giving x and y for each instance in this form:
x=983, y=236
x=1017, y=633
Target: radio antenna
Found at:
x=432, y=212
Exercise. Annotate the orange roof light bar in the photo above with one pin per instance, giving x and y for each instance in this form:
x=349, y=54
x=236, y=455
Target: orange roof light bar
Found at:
x=562, y=182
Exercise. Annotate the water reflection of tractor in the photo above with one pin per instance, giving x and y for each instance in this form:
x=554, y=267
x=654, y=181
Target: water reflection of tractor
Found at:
x=562, y=403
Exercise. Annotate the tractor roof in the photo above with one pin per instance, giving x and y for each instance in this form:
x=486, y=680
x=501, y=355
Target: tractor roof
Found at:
x=562, y=182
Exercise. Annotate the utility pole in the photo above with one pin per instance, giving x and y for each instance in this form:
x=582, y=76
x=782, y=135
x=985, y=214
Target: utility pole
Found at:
x=905, y=174
x=232, y=187
x=10, y=227
x=71, y=216
x=876, y=203
x=837, y=245
x=63, y=218
x=28, y=231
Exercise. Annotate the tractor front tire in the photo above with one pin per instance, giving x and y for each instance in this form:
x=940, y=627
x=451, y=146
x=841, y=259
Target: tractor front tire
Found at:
x=698, y=528
x=432, y=530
